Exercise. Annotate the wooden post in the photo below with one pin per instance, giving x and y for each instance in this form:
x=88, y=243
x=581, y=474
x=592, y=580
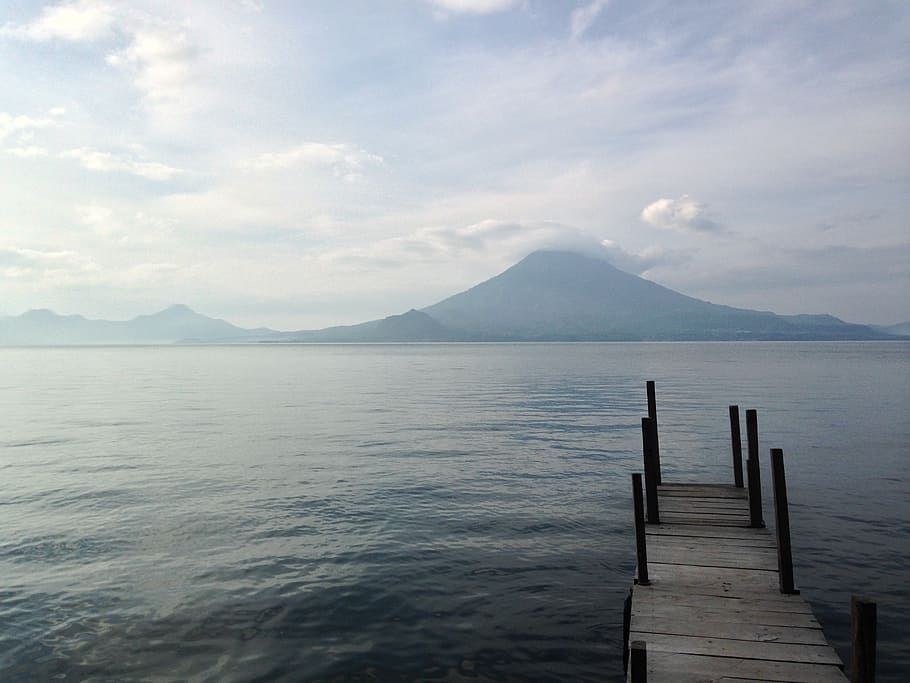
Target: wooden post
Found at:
x=782, y=523
x=647, y=438
x=862, y=659
x=754, y=471
x=737, y=442
x=638, y=663
x=641, y=549
x=652, y=413
x=626, y=628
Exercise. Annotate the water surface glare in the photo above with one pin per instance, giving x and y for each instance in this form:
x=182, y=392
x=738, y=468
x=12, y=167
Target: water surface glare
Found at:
x=410, y=512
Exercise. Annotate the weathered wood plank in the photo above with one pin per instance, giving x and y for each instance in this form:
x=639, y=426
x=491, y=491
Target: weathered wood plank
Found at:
x=676, y=668
x=665, y=555
x=710, y=545
x=696, y=542
x=706, y=627
x=654, y=597
x=709, y=531
x=727, y=580
x=730, y=614
x=687, y=504
x=700, y=520
x=706, y=490
x=725, y=647
x=680, y=503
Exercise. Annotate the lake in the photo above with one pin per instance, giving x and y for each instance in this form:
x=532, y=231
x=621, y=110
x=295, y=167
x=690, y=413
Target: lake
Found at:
x=452, y=512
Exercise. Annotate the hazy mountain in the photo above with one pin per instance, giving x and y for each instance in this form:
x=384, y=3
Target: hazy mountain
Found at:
x=897, y=330
x=413, y=326
x=548, y=296
x=553, y=295
x=177, y=323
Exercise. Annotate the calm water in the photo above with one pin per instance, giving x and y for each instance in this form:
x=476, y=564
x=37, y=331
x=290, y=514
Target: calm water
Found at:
x=438, y=512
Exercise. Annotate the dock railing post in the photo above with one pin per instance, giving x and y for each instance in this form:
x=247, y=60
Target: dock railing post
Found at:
x=737, y=443
x=638, y=662
x=626, y=629
x=647, y=438
x=862, y=658
x=754, y=471
x=641, y=549
x=782, y=523
x=652, y=413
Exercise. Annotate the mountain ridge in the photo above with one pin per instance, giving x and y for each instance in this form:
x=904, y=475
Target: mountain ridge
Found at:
x=547, y=296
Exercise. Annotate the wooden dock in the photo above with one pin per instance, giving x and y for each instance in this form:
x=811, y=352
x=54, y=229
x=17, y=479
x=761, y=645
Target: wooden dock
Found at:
x=713, y=598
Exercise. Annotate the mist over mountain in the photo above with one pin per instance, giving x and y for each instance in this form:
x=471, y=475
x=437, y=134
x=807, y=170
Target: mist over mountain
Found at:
x=176, y=323
x=547, y=296
x=898, y=329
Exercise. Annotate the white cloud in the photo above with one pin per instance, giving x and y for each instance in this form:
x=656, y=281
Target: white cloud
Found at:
x=51, y=266
x=95, y=160
x=583, y=18
x=683, y=215
x=346, y=161
x=256, y=6
x=509, y=241
x=27, y=152
x=57, y=111
x=77, y=21
x=161, y=59
x=474, y=6
x=10, y=124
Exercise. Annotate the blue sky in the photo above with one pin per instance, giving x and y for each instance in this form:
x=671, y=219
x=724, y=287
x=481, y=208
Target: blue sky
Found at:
x=299, y=164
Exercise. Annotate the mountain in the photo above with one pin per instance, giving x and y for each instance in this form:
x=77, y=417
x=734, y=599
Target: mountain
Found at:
x=564, y=296
x=897, y=330
x=547, y=296
x=177, y=323
x=413, y=326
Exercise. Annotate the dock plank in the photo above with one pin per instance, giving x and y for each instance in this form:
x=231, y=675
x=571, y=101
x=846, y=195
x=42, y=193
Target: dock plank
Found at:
x=705, y=627
x=679, y=668
x=727, y=647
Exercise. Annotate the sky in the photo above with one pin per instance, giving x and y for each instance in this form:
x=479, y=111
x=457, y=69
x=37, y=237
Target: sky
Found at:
x=301, y=164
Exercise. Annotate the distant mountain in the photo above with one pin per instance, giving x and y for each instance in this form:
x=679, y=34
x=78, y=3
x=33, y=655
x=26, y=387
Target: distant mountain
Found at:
x=413, y=326
x=177, y=323
x=897, y=330
x=564, y=296
x=548, y=296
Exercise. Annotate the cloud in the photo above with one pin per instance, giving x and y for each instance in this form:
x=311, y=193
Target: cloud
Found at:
x=78, y=21
x=53, y=266
x=95, y=160
x=508, y=241
x=346, y=161
x=683, y=215
x=583, y=18
x=27, y=152
x=474, y=6
x=161, y=59
x=10, y=124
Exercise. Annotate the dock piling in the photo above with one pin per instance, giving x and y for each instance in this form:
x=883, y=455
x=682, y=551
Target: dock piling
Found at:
x=782, y=523
x=737, y=443
x=640, y=545
x=652, y=413
x=862, y=658
x=651, y=468
x=638, y=663
x=754, y=471
x=626, y=627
